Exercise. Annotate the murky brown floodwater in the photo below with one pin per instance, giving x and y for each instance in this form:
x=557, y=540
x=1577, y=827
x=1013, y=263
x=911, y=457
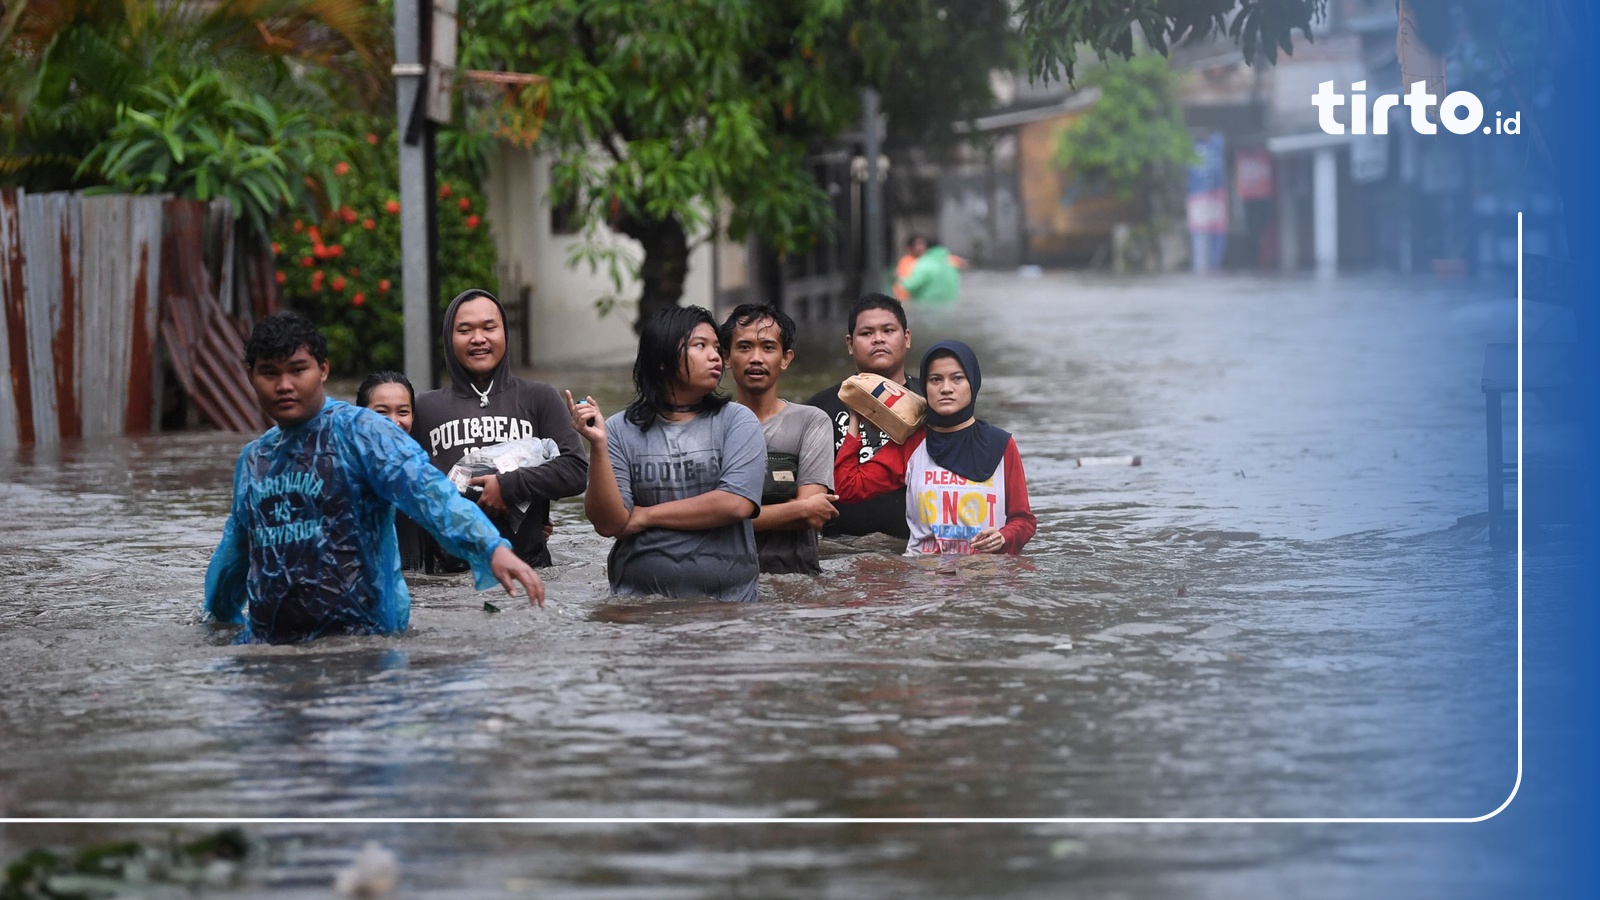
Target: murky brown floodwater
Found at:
x=1276, y=615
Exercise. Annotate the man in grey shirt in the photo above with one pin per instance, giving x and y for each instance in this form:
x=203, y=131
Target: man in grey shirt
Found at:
x=758, y=344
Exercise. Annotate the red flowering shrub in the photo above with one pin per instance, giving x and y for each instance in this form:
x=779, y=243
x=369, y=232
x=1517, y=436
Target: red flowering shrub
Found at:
x=342, y=269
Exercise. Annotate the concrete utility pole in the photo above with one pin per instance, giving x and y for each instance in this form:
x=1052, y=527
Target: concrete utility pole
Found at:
x=419, y=275
x=872, y=208
x=1325, y=210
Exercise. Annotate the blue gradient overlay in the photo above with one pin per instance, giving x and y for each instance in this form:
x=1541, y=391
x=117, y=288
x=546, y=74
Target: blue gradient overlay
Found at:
x=1550, y=827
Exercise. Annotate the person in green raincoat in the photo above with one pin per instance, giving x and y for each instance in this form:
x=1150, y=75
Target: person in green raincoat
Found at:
x=936, y=277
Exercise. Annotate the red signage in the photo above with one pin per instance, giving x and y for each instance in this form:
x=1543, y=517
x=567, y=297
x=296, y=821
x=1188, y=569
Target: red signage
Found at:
x=1252, y=173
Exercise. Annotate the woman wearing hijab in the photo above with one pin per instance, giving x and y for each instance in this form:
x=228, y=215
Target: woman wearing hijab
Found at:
x=966, y=491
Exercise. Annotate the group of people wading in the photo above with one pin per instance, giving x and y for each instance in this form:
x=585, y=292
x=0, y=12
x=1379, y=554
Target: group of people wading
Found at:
x=701, y=491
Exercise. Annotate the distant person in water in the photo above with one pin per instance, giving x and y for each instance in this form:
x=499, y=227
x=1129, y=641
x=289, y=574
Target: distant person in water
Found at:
x=908, y=261
x=935, y=276
x=677, y=477
x=964, y=485
x=389, y=394
x=309, y=547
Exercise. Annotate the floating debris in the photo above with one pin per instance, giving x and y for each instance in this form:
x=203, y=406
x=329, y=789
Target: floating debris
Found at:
x=1087, y=461
x=374, y=872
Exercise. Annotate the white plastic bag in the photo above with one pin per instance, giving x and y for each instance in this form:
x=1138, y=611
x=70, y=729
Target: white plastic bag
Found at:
x=508, y=456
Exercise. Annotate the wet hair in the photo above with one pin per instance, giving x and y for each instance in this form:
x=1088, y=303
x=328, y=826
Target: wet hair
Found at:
x=877, y=301
x=663, y=349
x=750, y=313
x=387, y=376
x=280, y=335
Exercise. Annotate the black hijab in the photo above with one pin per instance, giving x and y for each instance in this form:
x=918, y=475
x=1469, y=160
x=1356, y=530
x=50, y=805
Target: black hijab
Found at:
x=973, y=452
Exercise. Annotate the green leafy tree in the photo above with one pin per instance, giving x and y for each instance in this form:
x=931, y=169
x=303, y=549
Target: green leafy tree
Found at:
x=189, y=136
x=199, y=98
x=1132, y=140
x=66, y=66
x=930, y=61
x=1054, y=32
x=662, y=113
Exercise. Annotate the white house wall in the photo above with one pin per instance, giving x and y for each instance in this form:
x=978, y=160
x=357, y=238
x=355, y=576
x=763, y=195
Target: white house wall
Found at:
x=566, y=328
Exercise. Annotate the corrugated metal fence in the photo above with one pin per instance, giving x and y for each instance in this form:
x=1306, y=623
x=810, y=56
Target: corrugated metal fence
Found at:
x=89, y=286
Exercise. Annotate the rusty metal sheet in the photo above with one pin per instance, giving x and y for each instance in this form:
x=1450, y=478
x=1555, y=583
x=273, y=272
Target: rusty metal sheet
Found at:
x=91, y=285
x=116, y=233
x=103, y=336
x=144, y=316
x=209, y=409
x=16, y=399
x=50, y=244
x=261, y=278
x=202, y=340
x=64, y=342
x=219, y=254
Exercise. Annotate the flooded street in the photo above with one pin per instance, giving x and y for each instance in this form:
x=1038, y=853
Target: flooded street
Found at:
x=1279, y=614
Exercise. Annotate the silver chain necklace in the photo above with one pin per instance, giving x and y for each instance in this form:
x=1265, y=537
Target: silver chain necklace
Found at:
x=483, y=395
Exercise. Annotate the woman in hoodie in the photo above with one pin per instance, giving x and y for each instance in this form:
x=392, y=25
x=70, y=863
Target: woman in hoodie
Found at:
x=676, y=478
x=484, y=405
x=966, y=491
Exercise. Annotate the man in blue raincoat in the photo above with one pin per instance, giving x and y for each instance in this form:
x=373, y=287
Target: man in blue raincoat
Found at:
x=309, y=548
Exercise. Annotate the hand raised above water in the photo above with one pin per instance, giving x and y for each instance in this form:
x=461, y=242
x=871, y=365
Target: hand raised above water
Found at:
x=587, y=418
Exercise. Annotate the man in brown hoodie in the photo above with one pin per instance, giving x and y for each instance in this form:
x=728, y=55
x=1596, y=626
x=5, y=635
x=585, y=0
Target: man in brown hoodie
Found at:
x=485, y=404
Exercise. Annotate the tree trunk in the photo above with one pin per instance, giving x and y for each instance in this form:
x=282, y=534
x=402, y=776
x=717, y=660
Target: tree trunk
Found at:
x=665, y=264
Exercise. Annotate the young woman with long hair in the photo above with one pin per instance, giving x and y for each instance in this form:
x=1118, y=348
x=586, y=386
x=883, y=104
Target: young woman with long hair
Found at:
x=676, y=477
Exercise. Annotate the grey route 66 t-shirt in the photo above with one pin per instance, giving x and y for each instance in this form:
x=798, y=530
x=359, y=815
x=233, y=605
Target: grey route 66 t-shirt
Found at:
x=673, y=461
x=806, y=432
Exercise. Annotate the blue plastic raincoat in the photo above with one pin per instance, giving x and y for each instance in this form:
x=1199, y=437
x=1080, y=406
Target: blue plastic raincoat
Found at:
x=310, y=548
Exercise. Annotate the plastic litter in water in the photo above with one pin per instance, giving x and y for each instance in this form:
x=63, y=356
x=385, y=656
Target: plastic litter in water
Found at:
x=374, y=872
